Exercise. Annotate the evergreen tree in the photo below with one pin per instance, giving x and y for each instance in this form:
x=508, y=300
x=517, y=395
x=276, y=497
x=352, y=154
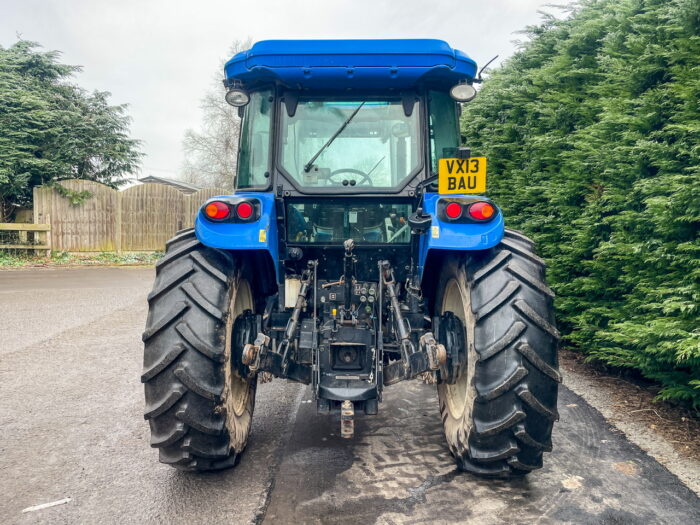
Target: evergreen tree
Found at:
x=52, y=130
x=592, y=131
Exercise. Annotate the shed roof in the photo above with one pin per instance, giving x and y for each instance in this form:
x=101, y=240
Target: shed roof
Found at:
x=185, y=187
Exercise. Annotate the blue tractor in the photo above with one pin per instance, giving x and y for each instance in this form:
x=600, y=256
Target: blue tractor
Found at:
x=358, y=250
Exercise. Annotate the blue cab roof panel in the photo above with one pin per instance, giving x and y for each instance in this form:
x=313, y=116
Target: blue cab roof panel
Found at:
x=355, y=64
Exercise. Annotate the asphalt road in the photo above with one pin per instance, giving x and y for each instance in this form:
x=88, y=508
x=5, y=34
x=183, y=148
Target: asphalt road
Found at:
x=71, y=426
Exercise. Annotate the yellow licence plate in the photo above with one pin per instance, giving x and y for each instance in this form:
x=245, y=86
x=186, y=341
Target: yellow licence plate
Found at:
x=462, y=175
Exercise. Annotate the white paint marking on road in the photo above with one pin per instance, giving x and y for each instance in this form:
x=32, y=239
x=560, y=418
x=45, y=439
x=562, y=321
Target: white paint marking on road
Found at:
x=46, y=505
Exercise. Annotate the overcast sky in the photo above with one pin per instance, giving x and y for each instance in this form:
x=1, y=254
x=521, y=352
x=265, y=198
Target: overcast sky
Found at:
x=158, y=56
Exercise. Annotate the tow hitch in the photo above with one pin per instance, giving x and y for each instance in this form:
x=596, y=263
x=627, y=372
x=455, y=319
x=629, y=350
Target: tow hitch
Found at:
x=347, y=422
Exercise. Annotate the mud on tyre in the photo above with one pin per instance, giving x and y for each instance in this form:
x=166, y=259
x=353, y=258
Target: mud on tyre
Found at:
x=498, y=414
x=198, y=405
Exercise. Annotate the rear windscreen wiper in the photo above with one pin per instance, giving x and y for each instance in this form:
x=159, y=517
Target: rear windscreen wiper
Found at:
x=307, y=166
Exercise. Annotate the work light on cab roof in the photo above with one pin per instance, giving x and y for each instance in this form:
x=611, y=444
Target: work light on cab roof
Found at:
x=358, y=250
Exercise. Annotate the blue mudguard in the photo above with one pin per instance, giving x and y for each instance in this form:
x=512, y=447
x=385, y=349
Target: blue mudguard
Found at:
x=444, y=235
x=257, y=235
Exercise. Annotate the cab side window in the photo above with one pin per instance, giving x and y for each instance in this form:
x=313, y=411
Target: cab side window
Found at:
x=444, y=127
x=254, y=149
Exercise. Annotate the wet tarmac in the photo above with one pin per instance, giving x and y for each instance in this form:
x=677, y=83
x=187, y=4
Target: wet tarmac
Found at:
x=71, y=426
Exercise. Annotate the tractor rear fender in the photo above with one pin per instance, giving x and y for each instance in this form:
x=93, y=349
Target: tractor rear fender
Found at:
x=455, y=236
x=258, y=235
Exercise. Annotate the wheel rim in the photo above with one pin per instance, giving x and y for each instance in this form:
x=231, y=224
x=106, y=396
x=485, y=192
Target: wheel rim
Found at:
x=456, y=394
x=237, y=386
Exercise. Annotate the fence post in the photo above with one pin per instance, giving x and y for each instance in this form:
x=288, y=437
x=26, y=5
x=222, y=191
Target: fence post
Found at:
x=43, y=237
x=47, y=236
x=22, y=217
x=118, y=224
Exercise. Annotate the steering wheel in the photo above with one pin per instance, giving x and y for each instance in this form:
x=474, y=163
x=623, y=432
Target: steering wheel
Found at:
x=365, y=176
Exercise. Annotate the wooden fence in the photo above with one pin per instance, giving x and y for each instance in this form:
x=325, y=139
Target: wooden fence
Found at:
x=37, y=231
x=140, y=218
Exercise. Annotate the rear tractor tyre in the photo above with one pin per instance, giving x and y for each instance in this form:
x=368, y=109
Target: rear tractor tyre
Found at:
x=499, y=412
x=199, y=404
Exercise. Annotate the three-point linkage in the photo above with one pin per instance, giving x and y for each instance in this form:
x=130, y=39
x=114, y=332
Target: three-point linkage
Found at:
x=430, y=354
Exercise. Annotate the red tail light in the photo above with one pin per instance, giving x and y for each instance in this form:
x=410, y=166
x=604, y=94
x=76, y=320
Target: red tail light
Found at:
x=453, y=210
x=244, y=210
x=217, y=210
x=481, y=211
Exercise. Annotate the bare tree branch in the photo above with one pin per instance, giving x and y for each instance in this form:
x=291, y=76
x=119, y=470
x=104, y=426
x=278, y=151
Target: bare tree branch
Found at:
x=211, y=150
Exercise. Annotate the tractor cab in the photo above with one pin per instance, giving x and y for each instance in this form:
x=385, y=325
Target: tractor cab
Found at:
x=345, y=137
x=345, y=118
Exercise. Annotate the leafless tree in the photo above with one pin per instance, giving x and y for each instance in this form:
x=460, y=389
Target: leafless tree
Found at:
x=211, y=151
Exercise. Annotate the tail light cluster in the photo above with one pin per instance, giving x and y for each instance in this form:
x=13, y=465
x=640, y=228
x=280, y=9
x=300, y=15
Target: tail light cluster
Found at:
x=232, y=210
x=466, y=210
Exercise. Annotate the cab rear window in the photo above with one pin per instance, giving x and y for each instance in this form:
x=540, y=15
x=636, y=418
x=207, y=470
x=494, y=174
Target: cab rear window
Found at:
x=334, y=222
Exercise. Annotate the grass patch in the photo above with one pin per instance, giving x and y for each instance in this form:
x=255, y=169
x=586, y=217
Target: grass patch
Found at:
x=16, y=260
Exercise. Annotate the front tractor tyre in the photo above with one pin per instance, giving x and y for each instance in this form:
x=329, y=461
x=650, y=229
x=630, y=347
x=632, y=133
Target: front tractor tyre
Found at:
x=499, y=411
x=199, y=402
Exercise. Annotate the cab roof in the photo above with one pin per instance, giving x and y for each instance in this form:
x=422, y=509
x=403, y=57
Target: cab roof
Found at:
x=350, y=64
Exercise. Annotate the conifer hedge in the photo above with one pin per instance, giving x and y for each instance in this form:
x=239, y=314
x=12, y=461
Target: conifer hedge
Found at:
x=592, y=131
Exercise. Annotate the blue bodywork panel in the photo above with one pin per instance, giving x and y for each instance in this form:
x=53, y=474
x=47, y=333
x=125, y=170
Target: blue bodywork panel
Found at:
x=262, y=234
x=257, y=235
x=458, y=237
x=342, y=64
